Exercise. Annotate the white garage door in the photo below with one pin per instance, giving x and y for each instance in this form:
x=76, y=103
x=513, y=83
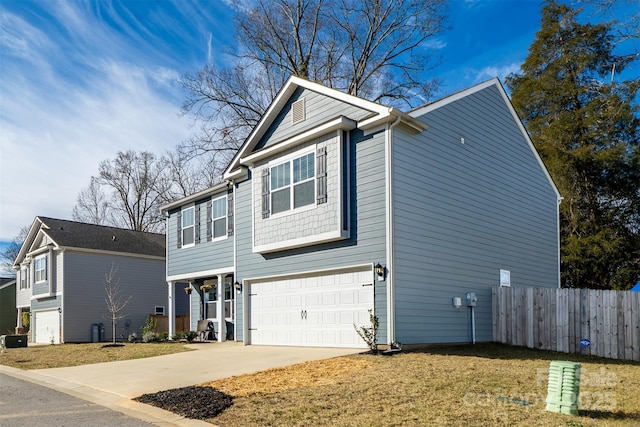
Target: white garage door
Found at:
x=314, y=310
x=47, y=327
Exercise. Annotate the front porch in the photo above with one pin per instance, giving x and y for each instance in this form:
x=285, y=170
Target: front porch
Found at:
x=212, y=298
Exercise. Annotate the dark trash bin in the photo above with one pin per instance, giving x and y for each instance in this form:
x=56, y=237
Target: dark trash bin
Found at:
x=94, y=333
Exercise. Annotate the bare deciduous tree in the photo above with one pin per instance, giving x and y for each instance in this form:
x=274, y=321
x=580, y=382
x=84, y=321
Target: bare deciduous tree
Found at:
x=127, y=192
x=92, y=205
x=375, y=49
x=10, y=253
x=116, y=302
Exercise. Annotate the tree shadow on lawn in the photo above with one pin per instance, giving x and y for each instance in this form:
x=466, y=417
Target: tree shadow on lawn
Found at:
x=509, y=352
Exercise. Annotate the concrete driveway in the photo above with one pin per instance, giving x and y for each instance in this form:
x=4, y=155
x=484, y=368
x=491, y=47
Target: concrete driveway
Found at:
x=114, y=384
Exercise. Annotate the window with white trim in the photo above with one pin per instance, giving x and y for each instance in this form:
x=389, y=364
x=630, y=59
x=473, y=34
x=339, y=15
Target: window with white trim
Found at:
x=293, y=184
x=23, y=278
x=188, y=226
x=40, y=269
x=219, y=217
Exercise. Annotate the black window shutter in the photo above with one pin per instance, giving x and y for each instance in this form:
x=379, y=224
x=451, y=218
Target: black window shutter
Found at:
x=230, y=212
x=265, y=192
x=321, y=175
x=179, y=227
x=197, y=224
x=209, y=221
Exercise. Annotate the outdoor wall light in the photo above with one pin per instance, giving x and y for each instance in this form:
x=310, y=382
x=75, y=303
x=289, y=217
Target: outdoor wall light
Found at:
x=238, y=286
x=379, y=271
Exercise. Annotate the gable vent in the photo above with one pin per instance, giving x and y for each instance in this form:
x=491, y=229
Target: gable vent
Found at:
x=298, y=111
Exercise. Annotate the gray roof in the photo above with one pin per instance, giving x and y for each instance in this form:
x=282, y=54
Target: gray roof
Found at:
x=79, y=235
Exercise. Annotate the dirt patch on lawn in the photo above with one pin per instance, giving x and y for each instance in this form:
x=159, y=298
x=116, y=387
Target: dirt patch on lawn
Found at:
x=307, y=374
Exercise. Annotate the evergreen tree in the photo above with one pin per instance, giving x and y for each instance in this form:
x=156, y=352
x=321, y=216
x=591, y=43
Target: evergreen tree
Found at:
x=585, y=125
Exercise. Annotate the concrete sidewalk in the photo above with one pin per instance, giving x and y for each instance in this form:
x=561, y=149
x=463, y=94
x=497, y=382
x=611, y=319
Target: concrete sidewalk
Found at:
x=114, y=384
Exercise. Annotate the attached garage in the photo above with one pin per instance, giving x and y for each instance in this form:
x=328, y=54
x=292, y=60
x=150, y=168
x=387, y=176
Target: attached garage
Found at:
x=47, y=327
x=315, y=309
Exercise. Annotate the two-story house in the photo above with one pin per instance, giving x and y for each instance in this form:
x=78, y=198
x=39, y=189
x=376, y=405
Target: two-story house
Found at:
x=62, y=272
x=336, y=205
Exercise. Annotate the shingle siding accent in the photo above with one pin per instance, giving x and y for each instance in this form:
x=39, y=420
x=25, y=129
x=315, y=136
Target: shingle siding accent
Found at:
x=322, y=218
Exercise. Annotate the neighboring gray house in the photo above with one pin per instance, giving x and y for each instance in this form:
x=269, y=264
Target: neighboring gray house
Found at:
x=62, y=269
x=336, y=205
x=7, y=306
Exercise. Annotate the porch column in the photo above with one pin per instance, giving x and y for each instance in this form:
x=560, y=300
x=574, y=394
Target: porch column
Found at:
x=171, y=308
x=19, y=321
x=222, y=325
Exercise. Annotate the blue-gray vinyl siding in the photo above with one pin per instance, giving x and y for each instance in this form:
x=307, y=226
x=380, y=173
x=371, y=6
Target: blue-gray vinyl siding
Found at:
x=203, y=256
x=367, y=242
x=142, y=280
x=319, y=109
x=462, y=212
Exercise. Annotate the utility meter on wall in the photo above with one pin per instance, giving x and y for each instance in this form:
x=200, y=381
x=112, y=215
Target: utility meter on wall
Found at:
x=472, y=299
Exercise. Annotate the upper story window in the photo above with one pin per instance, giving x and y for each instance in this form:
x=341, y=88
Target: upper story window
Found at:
x=219, y=217
x=293, y=183
x=40, y=268
x=23, y=279
x=188, y=226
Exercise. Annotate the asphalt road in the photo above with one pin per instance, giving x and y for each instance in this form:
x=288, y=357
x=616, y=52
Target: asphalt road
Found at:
x=23, y=403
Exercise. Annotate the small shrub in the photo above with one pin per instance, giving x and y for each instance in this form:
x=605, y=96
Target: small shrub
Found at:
x=149, y=325
x=133, y=337
x=150, y=337
x=369, y=334
x=163, y=336
x=178, y=336
x=191, y=335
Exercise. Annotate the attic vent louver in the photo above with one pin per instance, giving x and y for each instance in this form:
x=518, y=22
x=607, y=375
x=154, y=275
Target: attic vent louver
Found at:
x=298, y=111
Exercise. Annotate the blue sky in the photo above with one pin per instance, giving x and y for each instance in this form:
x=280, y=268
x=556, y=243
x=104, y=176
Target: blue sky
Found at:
x=82, y=80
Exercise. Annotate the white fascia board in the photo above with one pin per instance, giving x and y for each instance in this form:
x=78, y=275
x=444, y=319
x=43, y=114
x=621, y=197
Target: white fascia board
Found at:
x=391, y=116
x=104, y=252
x=28, y=242
x=196, y=196
x=341, y=123
x=315, y=239
x=199, y=274
x=454, y=97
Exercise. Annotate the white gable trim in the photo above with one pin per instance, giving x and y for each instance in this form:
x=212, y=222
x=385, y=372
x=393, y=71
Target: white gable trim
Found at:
x=341, y=123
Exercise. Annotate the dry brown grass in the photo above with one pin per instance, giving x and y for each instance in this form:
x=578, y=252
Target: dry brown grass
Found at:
x=59, y=356
x=486, y=385
x=308, y=374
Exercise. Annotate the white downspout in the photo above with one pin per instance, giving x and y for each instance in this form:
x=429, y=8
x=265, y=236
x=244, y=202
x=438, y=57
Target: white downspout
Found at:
x=172, y=309
x=391, y=303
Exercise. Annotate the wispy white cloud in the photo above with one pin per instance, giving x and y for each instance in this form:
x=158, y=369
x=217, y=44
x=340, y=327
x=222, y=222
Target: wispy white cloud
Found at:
x=490, y=72
x=71, y=99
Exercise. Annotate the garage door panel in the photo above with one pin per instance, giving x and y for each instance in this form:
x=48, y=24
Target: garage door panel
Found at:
x=318, y=310
x=47, y=328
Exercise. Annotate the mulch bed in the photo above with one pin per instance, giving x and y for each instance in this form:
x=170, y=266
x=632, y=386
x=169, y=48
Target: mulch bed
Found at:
x=195, y=402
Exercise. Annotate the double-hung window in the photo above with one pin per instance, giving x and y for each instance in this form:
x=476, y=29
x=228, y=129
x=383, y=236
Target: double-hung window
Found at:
x=293, y=184
x=40, y=269
x=188, y=226
x=23, y=278
x=219, y=217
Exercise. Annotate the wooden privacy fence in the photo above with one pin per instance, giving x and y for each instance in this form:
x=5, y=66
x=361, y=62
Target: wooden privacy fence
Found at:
x=558, y=319
x=162, y=323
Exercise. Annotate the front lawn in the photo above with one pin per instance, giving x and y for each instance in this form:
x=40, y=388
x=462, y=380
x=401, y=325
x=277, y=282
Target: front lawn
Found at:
x=63, y=355
x=485, y=385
